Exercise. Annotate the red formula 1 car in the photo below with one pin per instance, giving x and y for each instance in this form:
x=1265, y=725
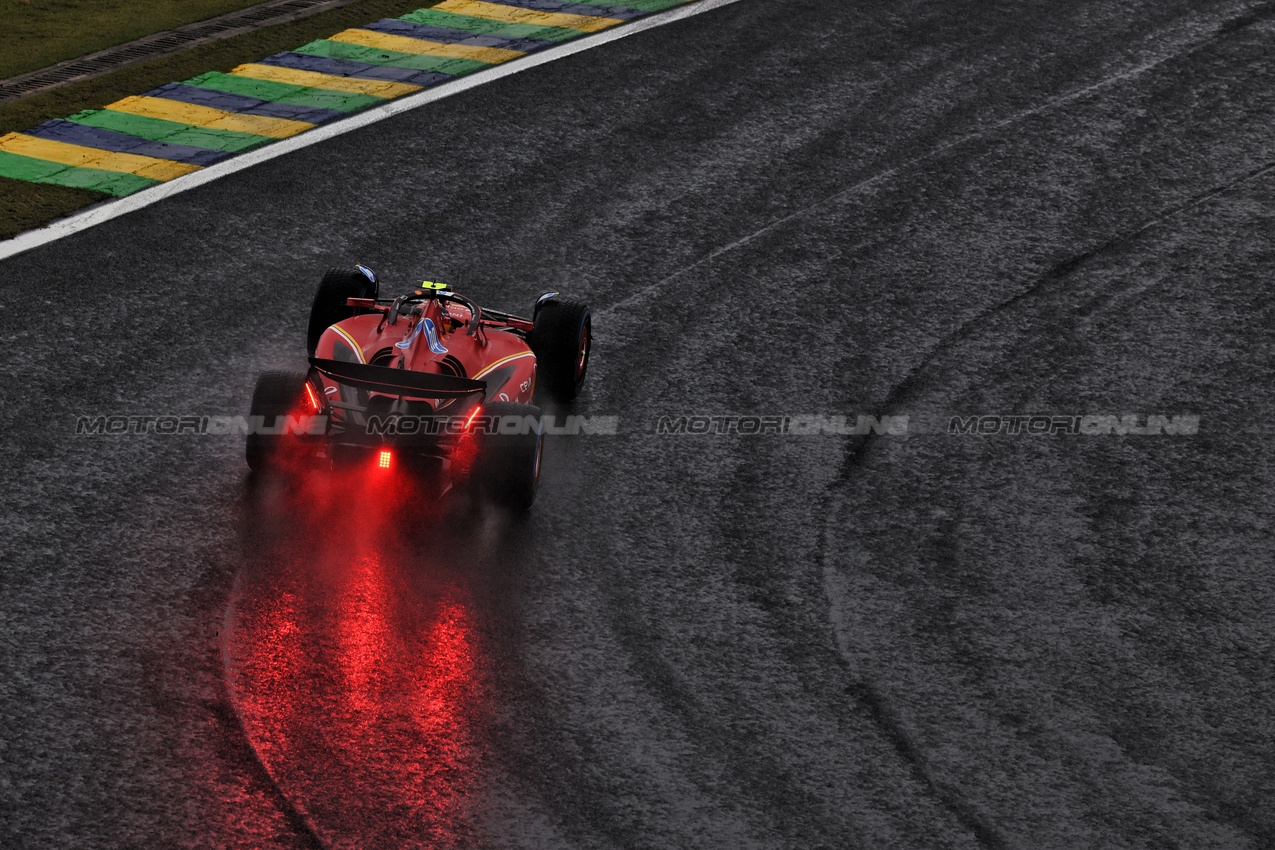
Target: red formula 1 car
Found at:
x=428, y=381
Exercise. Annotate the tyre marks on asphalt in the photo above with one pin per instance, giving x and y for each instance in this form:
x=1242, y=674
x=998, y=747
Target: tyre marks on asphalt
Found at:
x=912, y=747
x=1232, y=25
x=905, y=395
x=933, y=374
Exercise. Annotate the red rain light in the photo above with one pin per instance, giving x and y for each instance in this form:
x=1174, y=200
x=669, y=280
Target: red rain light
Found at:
x=312, y=397
x=472, y=416
x=384, y=462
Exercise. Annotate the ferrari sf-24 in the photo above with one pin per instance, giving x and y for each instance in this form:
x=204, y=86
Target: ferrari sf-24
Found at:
x=427, y=381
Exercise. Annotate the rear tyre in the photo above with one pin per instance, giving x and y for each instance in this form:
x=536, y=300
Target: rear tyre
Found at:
x=561, y=338
x=329, y=305
x=276, y=396
x=508, y=467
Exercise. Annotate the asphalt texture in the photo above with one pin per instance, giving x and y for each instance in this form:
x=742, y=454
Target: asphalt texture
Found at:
x=777, y=208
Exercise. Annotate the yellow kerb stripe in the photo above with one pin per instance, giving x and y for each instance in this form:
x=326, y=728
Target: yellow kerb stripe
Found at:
x=206, y=116
x=313, y=79
x=83, y=157
x=515, y=15
x=420, y=47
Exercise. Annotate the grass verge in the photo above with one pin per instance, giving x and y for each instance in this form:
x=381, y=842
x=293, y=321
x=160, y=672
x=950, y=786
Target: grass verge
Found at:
x=24, y=206
x=43, y=32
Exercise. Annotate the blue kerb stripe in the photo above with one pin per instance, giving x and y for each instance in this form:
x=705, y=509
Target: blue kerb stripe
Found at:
x=108, y=140
x=348, y=68
x=389, y=26
x=242, y=103
x=576, y=9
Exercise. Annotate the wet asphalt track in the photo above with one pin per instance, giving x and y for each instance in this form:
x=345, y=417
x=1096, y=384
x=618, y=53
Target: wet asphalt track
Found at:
x=778, y=207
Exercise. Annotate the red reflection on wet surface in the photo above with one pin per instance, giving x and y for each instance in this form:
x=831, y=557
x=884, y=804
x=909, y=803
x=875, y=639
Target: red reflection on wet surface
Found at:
x=353, y=659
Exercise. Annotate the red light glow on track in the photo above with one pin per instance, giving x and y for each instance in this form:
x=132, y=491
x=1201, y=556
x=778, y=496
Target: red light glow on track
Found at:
x=353, y=659
x=360, y=699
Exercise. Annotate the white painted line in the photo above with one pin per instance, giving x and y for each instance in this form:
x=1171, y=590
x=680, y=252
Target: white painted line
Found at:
x=108, y=210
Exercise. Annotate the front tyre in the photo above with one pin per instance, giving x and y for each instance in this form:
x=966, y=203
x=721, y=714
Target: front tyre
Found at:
x=277, y=396
x=561, y=338
x=508, y=467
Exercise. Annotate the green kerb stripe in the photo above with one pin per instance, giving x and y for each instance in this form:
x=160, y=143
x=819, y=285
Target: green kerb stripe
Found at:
x=640, y=5
x=39, y=171
x=159, y=130
x=285, y=92
x=468, y=23
x=379, y=56
x=26, y=168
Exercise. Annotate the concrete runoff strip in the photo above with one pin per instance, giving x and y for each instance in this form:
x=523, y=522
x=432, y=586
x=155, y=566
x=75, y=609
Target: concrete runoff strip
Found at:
x=108, y=210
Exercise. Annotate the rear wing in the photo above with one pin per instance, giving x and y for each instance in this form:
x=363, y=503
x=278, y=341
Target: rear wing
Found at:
x=403, y=382
x=477, y=315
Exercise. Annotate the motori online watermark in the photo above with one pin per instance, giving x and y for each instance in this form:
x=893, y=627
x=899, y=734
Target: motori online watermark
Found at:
x=667, y=425
x=805, y=425
x=1039, y=425
x=115, y=425
x=548, y=424
x=389, y=425
x=794, y=425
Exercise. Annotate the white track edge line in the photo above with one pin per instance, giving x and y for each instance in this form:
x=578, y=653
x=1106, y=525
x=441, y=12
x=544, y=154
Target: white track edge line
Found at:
x=108, y=210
